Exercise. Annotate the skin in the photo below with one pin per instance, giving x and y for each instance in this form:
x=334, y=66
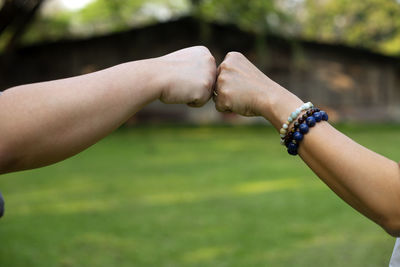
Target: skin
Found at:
x=367, y=181
x=51, y=121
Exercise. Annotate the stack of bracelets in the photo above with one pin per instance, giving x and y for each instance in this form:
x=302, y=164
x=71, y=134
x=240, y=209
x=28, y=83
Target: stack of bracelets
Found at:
x=291, y=138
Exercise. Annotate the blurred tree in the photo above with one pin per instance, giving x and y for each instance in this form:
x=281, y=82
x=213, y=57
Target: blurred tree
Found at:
x=374, y=24
x=49, y=28
x=15, y=17
x=111, y=15
x=120, y=14
x=259, y=16
x=103, y=16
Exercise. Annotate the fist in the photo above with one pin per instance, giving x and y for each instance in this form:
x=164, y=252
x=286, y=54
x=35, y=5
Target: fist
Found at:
x=241, y=88
x=245, y=90
x=191, y=76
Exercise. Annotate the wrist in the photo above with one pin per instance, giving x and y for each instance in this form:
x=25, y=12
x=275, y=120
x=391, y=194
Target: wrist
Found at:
x=158, y=77
x=280, y=106
x=162, y=78
x=141, y=78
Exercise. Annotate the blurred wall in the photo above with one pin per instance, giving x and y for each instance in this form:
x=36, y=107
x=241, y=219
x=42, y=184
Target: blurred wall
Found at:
x=351, y=84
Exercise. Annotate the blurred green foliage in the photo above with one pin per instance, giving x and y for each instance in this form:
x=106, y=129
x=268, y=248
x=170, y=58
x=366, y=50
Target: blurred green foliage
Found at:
x=259, y=16
x=48, y=28
x=372, y=24
x=102, y=16
x=119, y=15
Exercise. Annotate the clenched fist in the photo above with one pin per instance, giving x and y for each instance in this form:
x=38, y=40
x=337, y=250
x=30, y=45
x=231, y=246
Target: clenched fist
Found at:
x=190, y=76
x=243, y=89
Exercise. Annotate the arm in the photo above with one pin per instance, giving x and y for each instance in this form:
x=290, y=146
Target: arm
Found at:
x=44, y=123
x=367, y=181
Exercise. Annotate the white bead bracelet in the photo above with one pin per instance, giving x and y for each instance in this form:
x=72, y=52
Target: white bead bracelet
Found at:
x=293, y=116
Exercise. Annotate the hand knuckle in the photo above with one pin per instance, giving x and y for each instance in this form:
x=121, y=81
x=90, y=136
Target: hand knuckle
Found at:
x=235, y=54
x=219, y=106
x=221, y=78
x=226, y=104
x=206, y=84
x=224, y=91
x=196, y=97
x=203, y=49
x=226, y=67
x=211, y=58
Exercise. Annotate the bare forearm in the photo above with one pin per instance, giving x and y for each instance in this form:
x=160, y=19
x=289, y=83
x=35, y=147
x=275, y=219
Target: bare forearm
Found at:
x=46, y=122
x=366, y=180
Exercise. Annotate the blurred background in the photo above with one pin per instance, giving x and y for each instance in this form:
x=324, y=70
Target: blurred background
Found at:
x=192, y=187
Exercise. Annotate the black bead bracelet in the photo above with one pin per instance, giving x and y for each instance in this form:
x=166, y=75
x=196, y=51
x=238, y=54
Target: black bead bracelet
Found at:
x=301, y=127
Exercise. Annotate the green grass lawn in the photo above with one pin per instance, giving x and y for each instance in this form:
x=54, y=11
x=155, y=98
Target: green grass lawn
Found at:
x=188, y=196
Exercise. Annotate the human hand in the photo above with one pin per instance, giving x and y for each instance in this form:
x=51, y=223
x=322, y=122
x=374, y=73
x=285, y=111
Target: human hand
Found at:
x=243, y=89
x=189, y=76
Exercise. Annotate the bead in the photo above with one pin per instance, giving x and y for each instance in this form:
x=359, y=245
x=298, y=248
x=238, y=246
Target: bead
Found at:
x=297, y=136
x=310, y=121
x=291, y=138
x=317, y=116
x=287, y=143
x=303, y=128
x=286, y=134
x=292, y=149
x=324, y=115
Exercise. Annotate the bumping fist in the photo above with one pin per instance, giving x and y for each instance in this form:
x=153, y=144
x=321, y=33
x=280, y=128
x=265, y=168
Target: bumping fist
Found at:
x=191, y=76
x=241, y=87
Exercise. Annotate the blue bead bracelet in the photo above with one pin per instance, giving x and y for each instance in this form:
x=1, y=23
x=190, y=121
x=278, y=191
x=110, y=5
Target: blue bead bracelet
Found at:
x=302, y=127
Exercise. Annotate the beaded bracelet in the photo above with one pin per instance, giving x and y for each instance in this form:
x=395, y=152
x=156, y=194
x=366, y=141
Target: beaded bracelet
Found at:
x=283, y=131
x=296, y=125
x=302, y=127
